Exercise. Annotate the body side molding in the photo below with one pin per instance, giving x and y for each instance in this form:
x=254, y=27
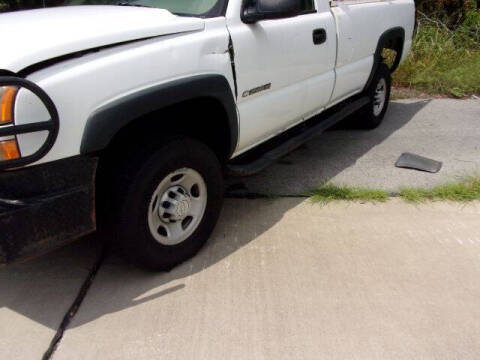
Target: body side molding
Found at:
x=106, y=121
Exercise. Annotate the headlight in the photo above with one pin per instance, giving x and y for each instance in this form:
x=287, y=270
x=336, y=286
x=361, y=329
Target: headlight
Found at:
x=37, y=124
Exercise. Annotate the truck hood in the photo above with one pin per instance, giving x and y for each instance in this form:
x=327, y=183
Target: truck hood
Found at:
x=30, y=37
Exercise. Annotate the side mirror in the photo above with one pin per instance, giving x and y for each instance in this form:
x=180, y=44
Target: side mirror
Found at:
x=270, y=9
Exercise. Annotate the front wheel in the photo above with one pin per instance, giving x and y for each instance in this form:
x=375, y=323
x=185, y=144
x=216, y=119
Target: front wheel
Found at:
x=372, y=114
x=168, y=199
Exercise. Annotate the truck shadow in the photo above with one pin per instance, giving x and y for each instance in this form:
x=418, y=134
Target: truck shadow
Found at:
x=43, y=289
x=330, y=157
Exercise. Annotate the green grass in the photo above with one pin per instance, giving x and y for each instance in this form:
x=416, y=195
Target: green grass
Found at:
x=444, y=61
x=328, y=192
x=464, y=191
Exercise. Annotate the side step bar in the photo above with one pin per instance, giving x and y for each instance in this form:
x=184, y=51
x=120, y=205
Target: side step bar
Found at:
x=294, y=142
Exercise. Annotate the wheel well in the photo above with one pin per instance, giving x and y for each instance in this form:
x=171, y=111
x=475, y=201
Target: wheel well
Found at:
x=392, y=40
x=394, y=44
x=204, y=119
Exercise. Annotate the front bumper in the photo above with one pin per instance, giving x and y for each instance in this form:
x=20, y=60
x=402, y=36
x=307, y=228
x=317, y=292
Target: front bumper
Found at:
x=45, y=206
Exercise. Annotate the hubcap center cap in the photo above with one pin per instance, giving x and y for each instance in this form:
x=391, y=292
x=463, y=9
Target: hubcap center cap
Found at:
x=175, y=204
x=182, y=207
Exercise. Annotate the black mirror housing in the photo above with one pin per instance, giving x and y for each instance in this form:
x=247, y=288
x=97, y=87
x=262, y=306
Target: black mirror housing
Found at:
x=270, y=9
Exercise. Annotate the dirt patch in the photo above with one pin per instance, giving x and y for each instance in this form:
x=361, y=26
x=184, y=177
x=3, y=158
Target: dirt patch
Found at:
x=399, y=93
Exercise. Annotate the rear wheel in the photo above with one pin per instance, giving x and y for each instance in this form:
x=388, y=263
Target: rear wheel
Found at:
x=372, y=114
x=167, y=199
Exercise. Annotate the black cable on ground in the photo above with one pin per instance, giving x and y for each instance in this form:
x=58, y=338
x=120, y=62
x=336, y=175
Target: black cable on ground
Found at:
x=75, y=305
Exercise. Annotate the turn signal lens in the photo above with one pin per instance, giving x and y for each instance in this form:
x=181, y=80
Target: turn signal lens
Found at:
x=9, y=150
x=7, y=100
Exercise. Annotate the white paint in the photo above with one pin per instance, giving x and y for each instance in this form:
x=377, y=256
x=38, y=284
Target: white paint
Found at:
x=80, y=86
x=305, y=78
x=38, y=35
x=28, y=109
x=360, y=25
x=280, y=52
x=351, y=78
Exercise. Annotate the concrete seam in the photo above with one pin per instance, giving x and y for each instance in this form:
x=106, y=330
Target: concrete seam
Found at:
x=72, y=311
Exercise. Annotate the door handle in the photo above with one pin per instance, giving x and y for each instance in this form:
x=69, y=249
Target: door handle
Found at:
x=319, y=36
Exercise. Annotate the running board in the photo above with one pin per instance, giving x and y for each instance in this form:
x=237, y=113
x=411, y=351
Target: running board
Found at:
x=294, y=142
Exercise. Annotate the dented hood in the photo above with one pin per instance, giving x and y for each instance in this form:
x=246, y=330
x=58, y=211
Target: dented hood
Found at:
x=29, y=37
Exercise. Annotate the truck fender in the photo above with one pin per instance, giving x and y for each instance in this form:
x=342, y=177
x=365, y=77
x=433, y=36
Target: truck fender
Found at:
x=105, y=122
x=394, y=39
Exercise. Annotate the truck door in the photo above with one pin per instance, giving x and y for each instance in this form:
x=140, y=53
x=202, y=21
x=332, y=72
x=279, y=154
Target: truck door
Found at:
x=359, y=26
x=284, y=68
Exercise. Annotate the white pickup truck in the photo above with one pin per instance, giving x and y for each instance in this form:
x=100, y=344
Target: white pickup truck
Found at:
x=129, y=114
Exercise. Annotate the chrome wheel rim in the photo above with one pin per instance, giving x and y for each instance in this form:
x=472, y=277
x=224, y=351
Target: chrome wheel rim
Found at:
x=380, y=97
x=177, y=206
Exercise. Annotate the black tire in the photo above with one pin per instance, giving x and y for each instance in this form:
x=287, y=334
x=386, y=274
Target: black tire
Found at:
x=136, y=181
x=366, y=118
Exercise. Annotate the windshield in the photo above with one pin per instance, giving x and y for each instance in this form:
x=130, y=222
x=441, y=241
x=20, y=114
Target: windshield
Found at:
x=203, y=8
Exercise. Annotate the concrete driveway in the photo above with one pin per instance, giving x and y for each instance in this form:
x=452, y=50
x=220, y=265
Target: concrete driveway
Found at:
x=283, y=278
x=442, y=129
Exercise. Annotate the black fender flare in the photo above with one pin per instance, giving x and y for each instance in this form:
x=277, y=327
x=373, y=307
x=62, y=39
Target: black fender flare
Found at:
x=390, y=39
x=105, y=122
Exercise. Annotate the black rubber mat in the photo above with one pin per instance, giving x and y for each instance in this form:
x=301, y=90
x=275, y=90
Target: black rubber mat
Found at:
x=417, y=162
